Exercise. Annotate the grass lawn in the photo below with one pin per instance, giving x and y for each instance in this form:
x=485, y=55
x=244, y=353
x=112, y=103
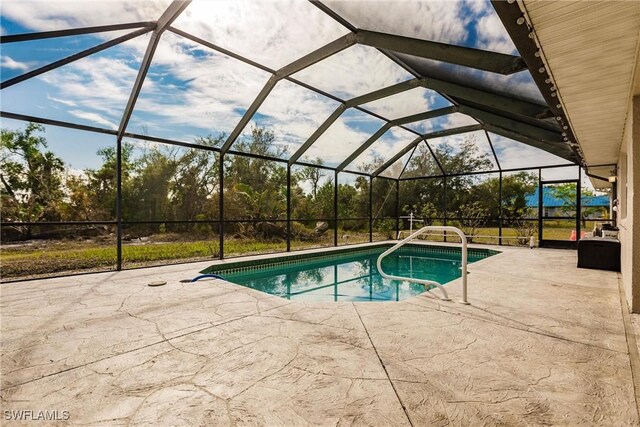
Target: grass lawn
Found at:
x=46, y=258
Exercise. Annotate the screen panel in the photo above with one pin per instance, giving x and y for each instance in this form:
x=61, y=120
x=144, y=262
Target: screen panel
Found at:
x=271, y=33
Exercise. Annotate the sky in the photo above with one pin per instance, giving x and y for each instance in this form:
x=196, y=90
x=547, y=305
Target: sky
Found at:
x=192, y=91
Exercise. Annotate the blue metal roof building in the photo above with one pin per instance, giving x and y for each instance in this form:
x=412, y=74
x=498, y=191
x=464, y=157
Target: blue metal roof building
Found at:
x=550, y=201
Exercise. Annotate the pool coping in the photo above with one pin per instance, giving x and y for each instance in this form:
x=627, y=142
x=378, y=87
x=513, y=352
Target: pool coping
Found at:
x=236, y=265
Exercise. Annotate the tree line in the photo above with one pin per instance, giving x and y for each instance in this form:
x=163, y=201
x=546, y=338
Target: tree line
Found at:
x=170, y=183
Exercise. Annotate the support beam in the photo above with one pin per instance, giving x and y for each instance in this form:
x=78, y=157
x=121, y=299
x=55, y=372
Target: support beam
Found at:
x=313, y=138
x=435, y=159
x=493, y=150
x=72, y=58
x=474, y=58
x=286, y=71
x=384, y=92
x=397, y=156
x=424, y=116
x=26, y=118
x=453, y=131
x=416, y=142
x=354, y=102
x=13, y=38
x=364, y=146
x=507, y=123
x=317, y=55
x=170, y=14
x=220, y=49
x=489, y=99
x=266, y=90
x=523, y=38
x=396, y=122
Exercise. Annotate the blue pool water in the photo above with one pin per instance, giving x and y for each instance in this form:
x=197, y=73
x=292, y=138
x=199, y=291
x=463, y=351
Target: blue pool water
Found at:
x=350, y=275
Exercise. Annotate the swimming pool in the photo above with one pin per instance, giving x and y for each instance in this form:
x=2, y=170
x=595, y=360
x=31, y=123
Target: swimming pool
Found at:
x=350, y=274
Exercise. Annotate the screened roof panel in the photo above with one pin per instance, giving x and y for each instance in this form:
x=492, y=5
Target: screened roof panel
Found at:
x=192, y=91
x=449, y=121
x=514, y=154
x=272, y=33
x=21, y=57
x=468, y=152
x=395, y=170
x=343, y=137
x=469, y=23
x=553, y=174
x=91, y=91
x=353, y=72
x=292, y=113
x=407, y=103
x=347, y=178
x=28, y=15
x=517, y=85
x=421, y=164
x=389, y=144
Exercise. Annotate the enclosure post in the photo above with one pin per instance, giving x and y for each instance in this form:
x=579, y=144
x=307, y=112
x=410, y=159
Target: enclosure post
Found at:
x=500, y=212
x=119, y=204
x=397, y=207
x=370, y=209
x=578, y=204
x=540, y=207
x=221, y=201
x=335, y=209
x=444, y=203
x=288, y=208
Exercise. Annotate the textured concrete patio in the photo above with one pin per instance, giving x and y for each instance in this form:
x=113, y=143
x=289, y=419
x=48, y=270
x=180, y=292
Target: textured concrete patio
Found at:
x=542, y=343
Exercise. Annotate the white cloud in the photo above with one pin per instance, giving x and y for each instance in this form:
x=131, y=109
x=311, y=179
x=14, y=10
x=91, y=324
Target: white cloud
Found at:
x=492, y=35
x=353, y=72
x=343, y=137
x=62, y=101
x=445, y=21
x=392, y=142
x=94, y=117
x=294, y=113
x=435, y=124
x=406, y=103
x=273, y=33
x=478, y=7
x=513, y=154
x=7, y=62
x=204, y=90
x=193, y=91
x=45, y=15
x=431, y=20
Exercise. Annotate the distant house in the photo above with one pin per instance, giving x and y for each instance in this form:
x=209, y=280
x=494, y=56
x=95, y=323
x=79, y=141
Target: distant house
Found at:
x=553, y=205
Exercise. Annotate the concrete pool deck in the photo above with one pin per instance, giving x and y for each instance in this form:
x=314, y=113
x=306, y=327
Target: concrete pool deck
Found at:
x=541, y=343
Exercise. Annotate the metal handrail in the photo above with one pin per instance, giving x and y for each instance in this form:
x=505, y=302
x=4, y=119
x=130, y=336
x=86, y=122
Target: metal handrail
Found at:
x=532, y=240
x=445, y=296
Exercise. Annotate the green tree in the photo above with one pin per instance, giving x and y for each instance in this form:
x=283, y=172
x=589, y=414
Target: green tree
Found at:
x=567, y=194
x=194, y=189
x=32, y=178
x=255, y=188
x=102, y=183
x=313, y=175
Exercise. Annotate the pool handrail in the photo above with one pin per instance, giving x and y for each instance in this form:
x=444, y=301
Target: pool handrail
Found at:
x=425, y=281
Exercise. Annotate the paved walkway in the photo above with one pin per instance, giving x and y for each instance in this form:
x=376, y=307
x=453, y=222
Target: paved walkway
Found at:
x=542, y=343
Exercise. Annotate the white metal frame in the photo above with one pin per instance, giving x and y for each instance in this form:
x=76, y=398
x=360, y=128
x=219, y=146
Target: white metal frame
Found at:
x=445, y=296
